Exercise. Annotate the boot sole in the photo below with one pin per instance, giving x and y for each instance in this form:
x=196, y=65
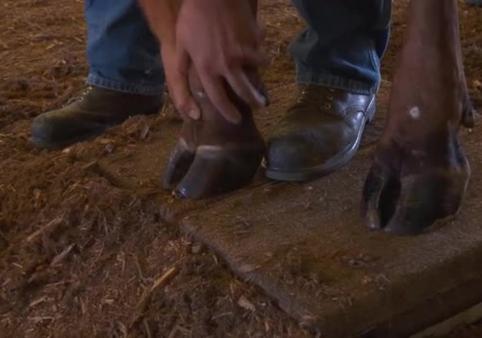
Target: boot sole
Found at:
x=49, y=145
x=335, y=163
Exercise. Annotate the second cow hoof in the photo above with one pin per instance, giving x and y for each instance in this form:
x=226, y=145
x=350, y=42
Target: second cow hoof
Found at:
x=406, y=192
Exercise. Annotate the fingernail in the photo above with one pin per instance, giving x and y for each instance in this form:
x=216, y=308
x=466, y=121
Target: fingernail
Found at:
x=236, y=119
x=194, y=114
x=262, y=100
x=267, y=101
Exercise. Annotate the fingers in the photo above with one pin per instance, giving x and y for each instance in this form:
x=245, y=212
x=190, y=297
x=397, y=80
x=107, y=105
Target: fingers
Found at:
x=242, y=86
x=216, y=91
x=251, y=58
x=213, y=80
x=233, y=73
x=177, y=79
x=214, y=86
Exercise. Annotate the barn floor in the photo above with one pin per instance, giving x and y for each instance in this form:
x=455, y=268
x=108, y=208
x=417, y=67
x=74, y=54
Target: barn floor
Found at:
x=89, y=243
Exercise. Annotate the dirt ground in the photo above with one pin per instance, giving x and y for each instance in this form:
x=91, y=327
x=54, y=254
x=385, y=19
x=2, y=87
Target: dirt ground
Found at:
x=79, y=254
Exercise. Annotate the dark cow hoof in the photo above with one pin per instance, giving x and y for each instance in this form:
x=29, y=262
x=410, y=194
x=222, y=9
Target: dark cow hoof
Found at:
x=212, y=155
x=407, y=191
x=211, y=170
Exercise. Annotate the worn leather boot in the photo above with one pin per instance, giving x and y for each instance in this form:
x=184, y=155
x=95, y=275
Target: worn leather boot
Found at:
x=98, y=110
x=214, y=156
x=319, y=134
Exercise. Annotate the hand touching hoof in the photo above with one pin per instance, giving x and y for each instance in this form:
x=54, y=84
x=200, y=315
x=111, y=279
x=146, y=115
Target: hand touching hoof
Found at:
x=420, y=173
x=214, y=156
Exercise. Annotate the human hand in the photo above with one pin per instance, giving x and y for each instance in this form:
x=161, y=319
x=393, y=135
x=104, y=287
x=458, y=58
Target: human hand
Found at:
x=221, y=38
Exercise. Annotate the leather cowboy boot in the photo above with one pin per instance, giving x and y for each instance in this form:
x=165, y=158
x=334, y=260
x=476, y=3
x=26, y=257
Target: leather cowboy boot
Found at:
x=214, y=156
x=320, y=133
x=98, y=110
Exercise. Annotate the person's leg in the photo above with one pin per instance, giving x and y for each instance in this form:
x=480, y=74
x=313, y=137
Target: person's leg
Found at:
x=124, y=71
x=123, y=54
x=343, y=44
x=338, y=68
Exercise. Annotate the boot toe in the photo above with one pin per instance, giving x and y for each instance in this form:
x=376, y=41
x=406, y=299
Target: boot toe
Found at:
x=292, y=154
x=58, y=129
x=90, y=116
x=43, y=130
x=309, y=153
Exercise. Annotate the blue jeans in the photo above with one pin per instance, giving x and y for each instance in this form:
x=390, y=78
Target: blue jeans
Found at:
x=123, y=55
x=341, y=48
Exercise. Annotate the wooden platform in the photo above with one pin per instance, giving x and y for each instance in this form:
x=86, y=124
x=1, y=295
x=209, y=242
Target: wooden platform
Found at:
x=304, y=244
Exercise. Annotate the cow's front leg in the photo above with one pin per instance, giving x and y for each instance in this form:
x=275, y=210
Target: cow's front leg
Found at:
x=420, y=172
x=214, y=156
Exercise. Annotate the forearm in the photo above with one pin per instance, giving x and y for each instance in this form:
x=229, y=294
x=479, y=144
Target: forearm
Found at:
x=161, y=16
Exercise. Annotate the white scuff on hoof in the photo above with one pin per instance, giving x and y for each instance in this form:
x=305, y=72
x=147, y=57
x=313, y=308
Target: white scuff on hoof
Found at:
x=200, y=94
x=415, y=113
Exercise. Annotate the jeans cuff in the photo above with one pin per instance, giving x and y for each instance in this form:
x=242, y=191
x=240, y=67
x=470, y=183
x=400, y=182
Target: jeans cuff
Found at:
x=304, y=76
x=124, y=87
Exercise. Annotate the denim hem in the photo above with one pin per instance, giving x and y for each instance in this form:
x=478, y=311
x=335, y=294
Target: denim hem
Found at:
x=130, y=88
x=304, y=76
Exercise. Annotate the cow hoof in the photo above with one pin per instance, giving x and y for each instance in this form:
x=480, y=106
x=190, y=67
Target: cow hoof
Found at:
x=211, y=170
x=218, y=171
x=214, y=156
x=408, y=191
